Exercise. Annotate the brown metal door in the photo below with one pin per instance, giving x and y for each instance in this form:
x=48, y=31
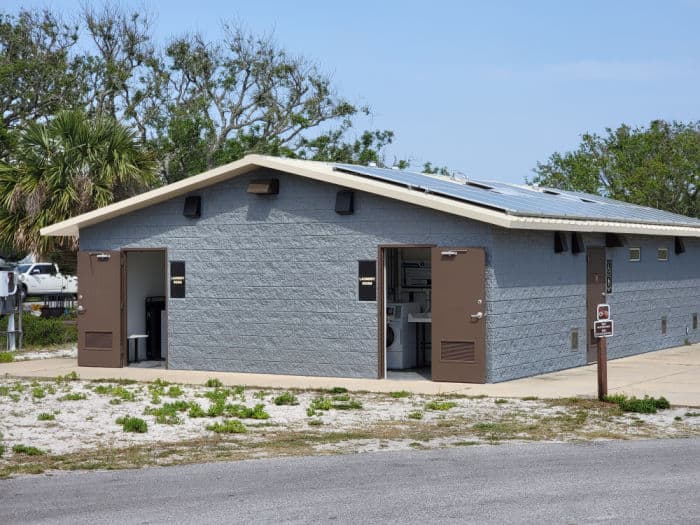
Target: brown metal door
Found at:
x=595, y=295
x=458, y=309
x=99, y=309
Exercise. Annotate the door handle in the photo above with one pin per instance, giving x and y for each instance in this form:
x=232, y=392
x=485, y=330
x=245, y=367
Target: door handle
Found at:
x=477, y=315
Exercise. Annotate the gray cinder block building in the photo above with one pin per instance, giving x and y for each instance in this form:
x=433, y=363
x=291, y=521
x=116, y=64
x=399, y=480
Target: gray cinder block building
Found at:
x=271, y=265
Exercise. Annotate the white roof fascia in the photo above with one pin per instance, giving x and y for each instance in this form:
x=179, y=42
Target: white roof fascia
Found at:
x=324, y=172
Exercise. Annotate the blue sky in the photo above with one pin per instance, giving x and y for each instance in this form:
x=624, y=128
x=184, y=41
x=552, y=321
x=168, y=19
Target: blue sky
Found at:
x=487, y=88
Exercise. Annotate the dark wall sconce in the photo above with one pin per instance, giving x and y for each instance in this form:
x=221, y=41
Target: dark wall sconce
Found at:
x=345, y=202
x=678, y=245
x=193, y=207
x=577, y=243
x=560, y=242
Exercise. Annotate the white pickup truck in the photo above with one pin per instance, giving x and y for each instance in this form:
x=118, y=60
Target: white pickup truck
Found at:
x=45, y=279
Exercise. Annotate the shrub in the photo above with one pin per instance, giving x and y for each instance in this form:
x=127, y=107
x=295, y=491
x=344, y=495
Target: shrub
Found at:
x=244, y=412
x=440, y=405
x=287, y=398
x=73, y=396
x=321, y=403
x=27, y=450
x=2, y=450
x=43, y=331
x=228, y=426
x=45, y=416
x=68, y=377
x=216, y=409
x=213, y=383
x=38, y=392
x=338, y=390
x=351, y=404
x=174, y=391
x=400, y=394
x=6, y=357
x=416, y=414
x=648, y=405
x=167, y=414
x=132, y=424
x=196, y=410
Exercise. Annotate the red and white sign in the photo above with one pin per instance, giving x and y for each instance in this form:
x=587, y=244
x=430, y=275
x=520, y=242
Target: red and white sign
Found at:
x=603, y=312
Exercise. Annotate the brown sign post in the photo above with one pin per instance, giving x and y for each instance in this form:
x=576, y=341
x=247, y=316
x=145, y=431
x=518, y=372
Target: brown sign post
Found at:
x=602, y=329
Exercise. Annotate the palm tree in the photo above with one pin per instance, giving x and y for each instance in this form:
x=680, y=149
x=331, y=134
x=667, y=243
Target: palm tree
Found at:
x=70, y=165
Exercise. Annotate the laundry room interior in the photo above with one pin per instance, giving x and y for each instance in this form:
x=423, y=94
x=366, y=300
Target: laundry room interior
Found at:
x=407, y=312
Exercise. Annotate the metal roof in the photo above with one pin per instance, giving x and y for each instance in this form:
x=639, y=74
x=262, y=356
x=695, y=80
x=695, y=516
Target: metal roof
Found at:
x=522, y=200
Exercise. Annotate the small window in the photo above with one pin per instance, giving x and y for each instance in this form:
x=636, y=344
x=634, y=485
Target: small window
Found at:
x=695, y=321
x=664, y=324
x=662, y=254
x=635, y=254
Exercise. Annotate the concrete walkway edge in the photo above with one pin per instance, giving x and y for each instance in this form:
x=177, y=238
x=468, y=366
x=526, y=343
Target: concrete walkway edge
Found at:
x=673, y=373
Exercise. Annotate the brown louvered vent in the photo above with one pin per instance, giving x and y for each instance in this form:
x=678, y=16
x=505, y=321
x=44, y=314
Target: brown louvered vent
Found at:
x=460, y=351
x=98, y=340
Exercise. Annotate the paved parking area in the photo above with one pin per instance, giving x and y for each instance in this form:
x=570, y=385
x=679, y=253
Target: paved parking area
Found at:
x=673, y=373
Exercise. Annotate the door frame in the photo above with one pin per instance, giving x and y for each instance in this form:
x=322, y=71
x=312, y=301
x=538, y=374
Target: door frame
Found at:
x=381, y=302
x=125, y=302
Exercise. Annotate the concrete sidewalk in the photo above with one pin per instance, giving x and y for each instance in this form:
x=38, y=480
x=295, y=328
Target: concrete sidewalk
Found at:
x=673, y=373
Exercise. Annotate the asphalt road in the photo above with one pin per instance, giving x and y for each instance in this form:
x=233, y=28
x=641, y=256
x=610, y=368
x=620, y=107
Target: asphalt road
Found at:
x=614, y=482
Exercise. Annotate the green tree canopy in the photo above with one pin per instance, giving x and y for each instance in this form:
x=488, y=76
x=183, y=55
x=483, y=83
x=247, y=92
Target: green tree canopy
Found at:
x=69, y=165
x=656, y=166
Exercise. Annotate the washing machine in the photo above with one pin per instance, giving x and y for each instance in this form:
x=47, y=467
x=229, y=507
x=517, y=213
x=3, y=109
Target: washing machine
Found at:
x=400, y=336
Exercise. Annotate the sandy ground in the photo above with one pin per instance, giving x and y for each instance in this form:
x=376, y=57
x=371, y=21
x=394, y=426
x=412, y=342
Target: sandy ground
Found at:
x=49, y=353
x=91, y=422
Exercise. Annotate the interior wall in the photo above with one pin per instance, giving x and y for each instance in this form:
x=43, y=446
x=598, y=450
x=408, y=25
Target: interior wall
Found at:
x=145, y=278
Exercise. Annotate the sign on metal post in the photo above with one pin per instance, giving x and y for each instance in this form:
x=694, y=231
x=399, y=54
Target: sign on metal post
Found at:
x=603, y=329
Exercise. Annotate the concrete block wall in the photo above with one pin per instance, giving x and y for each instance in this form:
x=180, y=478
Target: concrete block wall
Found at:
x=647, y=290
x=272, y=280
x=537, y=299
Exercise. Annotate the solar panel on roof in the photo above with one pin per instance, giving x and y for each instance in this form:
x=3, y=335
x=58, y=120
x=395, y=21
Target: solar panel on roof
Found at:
x=522, y=200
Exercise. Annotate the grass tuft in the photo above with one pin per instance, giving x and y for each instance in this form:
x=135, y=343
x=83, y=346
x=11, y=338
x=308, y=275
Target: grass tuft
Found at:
x=27, y=450
x=73, y=396
x=73, y=376
x=400, y=394
x=45, y=416
x=416, y=414
x=7, y=357
x=228, y=426
x=213, y=383
x=132, y=424
x=647, y=405
x=440, y=405
x=287, y=398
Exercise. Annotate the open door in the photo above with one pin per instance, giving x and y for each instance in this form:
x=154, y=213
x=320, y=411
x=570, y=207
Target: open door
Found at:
x=99, y=309
x=458, y=309
x=595, y=295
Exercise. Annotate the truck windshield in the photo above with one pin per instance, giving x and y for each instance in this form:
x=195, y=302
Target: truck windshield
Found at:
x=23, y=268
